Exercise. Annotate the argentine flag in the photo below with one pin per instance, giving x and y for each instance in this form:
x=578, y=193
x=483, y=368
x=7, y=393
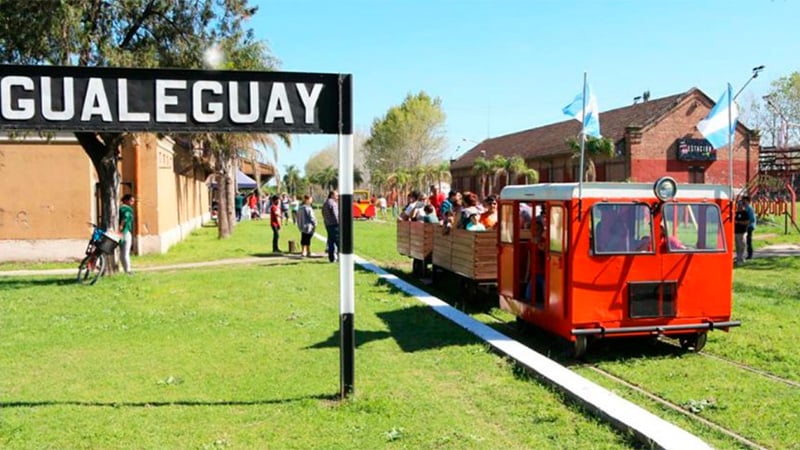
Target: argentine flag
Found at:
x=717, y=127
x=591, y=118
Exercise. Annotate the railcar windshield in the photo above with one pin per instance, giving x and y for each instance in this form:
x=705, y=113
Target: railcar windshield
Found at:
x=693, y=228
x=621, y=228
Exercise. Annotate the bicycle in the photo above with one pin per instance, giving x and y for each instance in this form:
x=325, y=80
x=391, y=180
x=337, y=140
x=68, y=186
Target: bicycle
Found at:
x=93, y=266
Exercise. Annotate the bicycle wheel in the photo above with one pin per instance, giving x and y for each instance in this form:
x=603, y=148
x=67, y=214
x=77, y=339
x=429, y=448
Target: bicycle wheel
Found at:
x=91, y=268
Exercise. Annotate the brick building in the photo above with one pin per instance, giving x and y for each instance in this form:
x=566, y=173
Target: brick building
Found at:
x=652, y=139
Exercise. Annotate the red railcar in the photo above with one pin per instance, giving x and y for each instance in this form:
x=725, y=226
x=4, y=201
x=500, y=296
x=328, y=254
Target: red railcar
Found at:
x=617, y=259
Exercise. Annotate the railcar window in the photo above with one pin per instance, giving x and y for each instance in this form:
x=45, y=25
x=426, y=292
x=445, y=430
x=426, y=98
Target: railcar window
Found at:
x=693, y=228
x=507, y=223
x=620, y=228
x=556, y=229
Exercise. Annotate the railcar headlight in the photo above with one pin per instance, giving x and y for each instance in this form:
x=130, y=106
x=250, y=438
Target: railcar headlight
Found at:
x=665, y=188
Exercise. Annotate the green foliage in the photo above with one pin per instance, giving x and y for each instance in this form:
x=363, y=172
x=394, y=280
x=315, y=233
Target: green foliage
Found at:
x=292, y=179
x=134, y=33
x=593, y=148
x=411, y=134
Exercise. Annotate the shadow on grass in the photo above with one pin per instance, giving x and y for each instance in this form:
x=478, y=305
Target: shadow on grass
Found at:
x=26, y=282
x=770, y=263
x=415, y=328
x=36, y=404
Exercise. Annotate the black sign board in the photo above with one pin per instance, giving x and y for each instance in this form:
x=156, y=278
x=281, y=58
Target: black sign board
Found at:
x=54, y=98
x=695, y=150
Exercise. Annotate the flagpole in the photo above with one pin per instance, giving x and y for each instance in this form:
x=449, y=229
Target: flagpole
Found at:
x=730, y=141
x=583, y=142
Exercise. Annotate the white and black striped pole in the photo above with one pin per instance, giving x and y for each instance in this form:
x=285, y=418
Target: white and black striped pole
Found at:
x=346, y=262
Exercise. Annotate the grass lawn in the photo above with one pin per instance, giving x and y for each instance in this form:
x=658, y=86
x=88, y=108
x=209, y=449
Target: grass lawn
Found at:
x=247, y=357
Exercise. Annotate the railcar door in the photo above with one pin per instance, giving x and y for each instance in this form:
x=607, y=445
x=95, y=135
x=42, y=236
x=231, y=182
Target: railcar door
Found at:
x=556, y=258
x=506, y=270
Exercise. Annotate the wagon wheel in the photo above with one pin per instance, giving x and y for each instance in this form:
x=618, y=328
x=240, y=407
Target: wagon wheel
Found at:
x=694, y=342
x=579, y=348
x=473, y=293
x=415, y=267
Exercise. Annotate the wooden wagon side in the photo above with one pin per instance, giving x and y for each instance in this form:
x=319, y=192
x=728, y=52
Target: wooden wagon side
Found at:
x=421, y=242
x=470, y=254
x=404, y=238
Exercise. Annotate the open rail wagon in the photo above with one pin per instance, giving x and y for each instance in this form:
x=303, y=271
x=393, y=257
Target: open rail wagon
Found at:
x=609, y=260
x=472, y=255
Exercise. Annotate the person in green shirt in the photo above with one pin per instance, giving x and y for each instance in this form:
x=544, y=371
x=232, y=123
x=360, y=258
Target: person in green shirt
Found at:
x=126, y=228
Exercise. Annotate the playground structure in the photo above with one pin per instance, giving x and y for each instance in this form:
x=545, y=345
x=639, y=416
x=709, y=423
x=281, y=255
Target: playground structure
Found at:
x=773, y=191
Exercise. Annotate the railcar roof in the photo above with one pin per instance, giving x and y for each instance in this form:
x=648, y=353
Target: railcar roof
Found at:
x=644, y=191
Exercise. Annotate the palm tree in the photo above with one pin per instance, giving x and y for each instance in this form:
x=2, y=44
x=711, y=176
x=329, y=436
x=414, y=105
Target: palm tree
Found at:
x=377, y=180
x=515, y=166
x=442, y=173
x=291, y=178
x=399, y=180
x=499, y=169
x=531, y=175
x=482, y=168
x=594, y=147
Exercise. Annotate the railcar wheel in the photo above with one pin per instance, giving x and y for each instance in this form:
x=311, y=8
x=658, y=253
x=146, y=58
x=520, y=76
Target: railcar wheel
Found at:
x=521, y=325
x=581, y=343
x=693, y=342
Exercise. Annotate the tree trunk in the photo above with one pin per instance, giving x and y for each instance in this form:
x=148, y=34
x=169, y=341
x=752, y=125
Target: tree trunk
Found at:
x=591, y=170
x=103, y=150
x=225, y=213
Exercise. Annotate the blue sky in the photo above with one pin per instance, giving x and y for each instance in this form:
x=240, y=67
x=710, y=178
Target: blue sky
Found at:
x=506, y=66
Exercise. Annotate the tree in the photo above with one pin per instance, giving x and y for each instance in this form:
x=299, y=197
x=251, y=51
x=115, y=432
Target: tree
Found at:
x=499, y=165
x=594, y=148
x=482, y=168
x=118, y=33
x=399, y=180
x=441, y=172
x=291, y=178
x=778, y=116
x=515, y=166
x=409, y=135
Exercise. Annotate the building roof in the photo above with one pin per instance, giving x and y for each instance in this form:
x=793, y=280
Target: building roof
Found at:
x=550, y=140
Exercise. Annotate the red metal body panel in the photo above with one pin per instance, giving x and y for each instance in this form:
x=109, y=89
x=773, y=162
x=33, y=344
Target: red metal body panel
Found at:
x=585, y=290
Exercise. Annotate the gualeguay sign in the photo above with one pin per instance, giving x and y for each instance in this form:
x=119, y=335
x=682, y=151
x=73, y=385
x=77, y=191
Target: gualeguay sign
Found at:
x=695, y=150
x=160, y=100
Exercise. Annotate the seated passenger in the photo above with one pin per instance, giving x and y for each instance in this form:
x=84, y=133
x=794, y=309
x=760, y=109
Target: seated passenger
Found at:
x=430, y=214
x=447, y=224
x=470, y=207
x=474, y=223
x=611, y=233
x=489, y=216
x=672, y=241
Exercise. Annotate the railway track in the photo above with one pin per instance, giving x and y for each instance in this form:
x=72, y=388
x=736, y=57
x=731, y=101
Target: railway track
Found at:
x=744, y=441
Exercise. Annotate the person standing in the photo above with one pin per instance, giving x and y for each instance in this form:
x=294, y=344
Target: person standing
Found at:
x=275, y=222
x=751, y=225
x=330, y=215
x=238, y=203
x=382, y=206
x=740, y=224
x=436, y=199
x=307, y=224
x=126, y=228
